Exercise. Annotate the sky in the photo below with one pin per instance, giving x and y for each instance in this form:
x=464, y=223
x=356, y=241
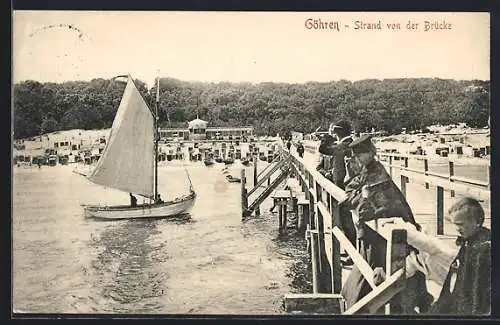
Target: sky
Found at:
x=60, y=46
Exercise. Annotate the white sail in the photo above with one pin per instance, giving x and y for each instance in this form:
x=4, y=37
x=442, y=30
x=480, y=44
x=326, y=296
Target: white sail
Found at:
x=127, y=162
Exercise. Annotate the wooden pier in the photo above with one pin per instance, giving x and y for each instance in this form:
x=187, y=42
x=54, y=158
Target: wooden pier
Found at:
x=316, y=206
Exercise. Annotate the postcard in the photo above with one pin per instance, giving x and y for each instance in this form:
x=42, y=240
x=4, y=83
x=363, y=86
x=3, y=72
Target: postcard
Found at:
x=251, y=163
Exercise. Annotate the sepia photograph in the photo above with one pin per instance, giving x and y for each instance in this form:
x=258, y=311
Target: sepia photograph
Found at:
x=251, y=163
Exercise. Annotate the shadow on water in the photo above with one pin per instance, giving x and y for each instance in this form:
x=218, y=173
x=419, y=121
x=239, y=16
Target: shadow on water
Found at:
x=293, y=247
x=179, y=219
x=128, y=269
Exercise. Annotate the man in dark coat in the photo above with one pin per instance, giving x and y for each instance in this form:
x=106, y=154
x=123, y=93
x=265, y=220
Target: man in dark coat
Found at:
x=133, y=200
x=336, y=169
x=324, y=164
x=371, y=195
x=467, y=287
x=300, y=149
x=337, y=150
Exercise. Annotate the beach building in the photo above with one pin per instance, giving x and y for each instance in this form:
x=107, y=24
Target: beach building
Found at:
x=198, y=129
x=64, y=146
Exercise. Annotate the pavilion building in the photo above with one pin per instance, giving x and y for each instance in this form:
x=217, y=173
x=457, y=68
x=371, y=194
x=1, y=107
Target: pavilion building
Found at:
x=198, y=129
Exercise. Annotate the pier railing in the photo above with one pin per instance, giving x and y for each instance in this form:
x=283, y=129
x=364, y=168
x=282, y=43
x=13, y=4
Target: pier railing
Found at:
x=442, y=182
x=326, y=239
x=251, y=200
x=320, y=207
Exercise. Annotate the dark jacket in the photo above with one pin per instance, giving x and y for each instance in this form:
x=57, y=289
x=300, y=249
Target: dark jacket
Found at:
x=324, y=166
x=472, y=269
x=385, y=200
x=337, y=153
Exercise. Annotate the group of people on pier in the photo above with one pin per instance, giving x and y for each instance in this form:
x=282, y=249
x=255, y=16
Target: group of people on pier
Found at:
x=351, y=165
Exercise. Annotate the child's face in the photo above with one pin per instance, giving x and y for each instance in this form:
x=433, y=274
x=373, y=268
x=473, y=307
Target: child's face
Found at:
x=466, y=225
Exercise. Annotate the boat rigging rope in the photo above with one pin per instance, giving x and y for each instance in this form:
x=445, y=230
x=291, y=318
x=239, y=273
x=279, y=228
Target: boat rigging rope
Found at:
x=189, y=178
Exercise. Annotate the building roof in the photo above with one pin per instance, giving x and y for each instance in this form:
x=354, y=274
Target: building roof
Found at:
x=197, y=123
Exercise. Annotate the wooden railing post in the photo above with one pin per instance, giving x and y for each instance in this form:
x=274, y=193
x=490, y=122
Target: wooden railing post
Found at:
x=488, y=175
x=451, y=168
x=426, y=169
x=390, y=165
x=314, y=258
x=303, y=214
x=404, y=179
x=440, y=210
x=336, y=263
x=403, y=185
x=396, y=259
x=319, y=239
x=313, y=238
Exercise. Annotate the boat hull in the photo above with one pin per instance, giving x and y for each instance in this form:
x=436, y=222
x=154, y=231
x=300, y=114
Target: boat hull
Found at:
x=160, y=210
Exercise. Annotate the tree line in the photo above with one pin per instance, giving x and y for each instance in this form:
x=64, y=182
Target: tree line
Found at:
x=388, y=105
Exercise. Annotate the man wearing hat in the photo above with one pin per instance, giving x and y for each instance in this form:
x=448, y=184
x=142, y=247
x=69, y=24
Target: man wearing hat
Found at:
x=338, y=150
x=372, y=195
x=300, y=149
x=324, y=164
x=336, y=153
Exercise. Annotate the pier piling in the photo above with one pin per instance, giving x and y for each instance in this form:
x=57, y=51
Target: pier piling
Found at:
x=303, y=214
x=318, y=213
x=280, y=217
x=244, y=197
x=284, y=226
x=426, y=170
x=255, y=159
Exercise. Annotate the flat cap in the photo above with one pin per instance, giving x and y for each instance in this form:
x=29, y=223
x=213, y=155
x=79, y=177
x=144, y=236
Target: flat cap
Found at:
x=343, y=125
x=327, y=138
x=362, y=144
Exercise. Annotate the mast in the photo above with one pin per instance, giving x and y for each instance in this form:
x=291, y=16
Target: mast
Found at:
x=157, y=137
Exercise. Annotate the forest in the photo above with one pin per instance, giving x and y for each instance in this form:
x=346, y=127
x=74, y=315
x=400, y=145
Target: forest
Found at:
x=385, y=105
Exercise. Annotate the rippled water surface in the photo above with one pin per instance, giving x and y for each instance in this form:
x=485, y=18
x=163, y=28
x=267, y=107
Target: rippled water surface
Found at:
x=205, y=262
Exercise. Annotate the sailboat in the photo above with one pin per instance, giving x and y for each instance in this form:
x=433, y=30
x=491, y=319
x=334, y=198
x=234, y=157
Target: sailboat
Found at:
x=129, y=162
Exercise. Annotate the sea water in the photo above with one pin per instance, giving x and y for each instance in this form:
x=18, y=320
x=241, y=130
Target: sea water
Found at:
x=206, y=262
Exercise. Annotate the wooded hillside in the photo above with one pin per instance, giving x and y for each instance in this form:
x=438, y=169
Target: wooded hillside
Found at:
x=271, y=108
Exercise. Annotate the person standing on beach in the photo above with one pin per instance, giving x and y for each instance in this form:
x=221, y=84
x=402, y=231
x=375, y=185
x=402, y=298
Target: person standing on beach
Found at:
x=133, y=200
x=300, y=149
